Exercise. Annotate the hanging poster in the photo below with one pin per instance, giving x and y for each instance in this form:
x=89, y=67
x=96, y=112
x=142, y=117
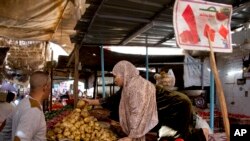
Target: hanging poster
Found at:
x=194, y=19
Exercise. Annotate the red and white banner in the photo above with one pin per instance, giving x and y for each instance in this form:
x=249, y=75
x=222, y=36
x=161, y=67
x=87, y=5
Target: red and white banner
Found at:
x=193, y=19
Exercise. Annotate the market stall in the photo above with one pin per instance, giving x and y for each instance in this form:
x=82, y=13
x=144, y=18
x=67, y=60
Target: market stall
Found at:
x=105, y=23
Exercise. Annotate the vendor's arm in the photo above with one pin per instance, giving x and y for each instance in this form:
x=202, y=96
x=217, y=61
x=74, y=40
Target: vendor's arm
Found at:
x=108, y=103
x=94, y=102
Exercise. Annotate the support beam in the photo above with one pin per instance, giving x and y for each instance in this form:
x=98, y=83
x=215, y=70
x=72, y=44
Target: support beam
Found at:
x=170, y=36
x=76, y=76
x=89, y=26
x=164, y=24
x=138, y=32
x=155, y=4
x=59, y=20
x=175, y=63
x=128, y=9
x=144, y=28
x=106, y=16
x=241, y=7
x=71, y=58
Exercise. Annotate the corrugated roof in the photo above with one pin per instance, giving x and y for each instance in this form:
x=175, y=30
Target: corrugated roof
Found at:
x=128, y=22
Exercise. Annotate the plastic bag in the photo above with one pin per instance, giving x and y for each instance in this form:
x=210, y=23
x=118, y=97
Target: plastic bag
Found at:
x=201, y=123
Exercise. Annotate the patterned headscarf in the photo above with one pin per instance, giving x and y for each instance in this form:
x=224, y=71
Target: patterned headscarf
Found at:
x=137, y=109
x=126, y=70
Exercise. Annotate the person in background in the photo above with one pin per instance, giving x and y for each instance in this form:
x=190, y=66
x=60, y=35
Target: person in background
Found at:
x=28, y=121
x=137, y=109
x=6, y=109
x=11, y=97
x=176, y=114
x=65, y=96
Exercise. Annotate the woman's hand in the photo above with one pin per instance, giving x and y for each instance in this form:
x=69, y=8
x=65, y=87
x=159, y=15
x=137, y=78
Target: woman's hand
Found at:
x=125, y=139
x=91, y=101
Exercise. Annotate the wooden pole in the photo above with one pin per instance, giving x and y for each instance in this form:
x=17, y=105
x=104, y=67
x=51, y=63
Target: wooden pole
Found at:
x=51, y=78
x=76, y=76
x=219, y=91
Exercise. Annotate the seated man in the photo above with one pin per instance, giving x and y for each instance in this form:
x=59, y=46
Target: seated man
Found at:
x=175, y=113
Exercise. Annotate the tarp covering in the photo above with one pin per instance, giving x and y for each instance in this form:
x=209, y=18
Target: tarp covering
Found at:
x=43, y=20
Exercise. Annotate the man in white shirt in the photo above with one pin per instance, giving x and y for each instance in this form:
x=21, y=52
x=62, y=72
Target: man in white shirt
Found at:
x=28, y=123
x=6, y=110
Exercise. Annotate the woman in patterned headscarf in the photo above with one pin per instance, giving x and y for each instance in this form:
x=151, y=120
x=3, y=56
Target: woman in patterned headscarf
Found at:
x=137, y=109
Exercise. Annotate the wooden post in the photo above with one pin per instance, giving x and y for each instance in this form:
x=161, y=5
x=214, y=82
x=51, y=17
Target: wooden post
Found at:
x=219, y=91
x=51, y=78
x=76, y=76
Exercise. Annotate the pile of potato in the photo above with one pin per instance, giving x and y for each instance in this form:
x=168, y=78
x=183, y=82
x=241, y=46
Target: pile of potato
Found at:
x=80, y=126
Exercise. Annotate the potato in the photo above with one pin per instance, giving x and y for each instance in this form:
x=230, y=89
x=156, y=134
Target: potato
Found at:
x=87, y=135
x=87, y=119
x=88, y=130
x=71, y=137
x=97, y=128
x=77, y=138
x=66, y=133
x=80, y=104
x=84, y=114
x=60, y=136
x=91, y=123
x=73, y=128
x=77, y=133
x=97, y=124
x=93, y=135
x=67, y=130
x=50, y=133
x=72, y=121
x=58, y=130
x=77, y=124
x=82, y=128
x=77, y=110
x=98, y=134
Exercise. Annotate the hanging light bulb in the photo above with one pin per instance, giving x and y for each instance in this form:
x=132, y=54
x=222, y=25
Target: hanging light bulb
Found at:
x=80, y=66
x=70, y=75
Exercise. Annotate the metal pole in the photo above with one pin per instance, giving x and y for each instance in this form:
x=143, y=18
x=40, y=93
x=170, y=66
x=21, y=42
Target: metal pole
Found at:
x=212, y=101
x=202, y=73
x=95, y=86
x=147, y=57
x=76, y=76
x=103, y=80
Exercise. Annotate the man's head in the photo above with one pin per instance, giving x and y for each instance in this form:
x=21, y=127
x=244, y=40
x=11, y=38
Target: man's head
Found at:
x=40, y=83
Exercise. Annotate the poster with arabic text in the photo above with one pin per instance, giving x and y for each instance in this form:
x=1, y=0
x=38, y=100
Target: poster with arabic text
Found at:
x=194, y=20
